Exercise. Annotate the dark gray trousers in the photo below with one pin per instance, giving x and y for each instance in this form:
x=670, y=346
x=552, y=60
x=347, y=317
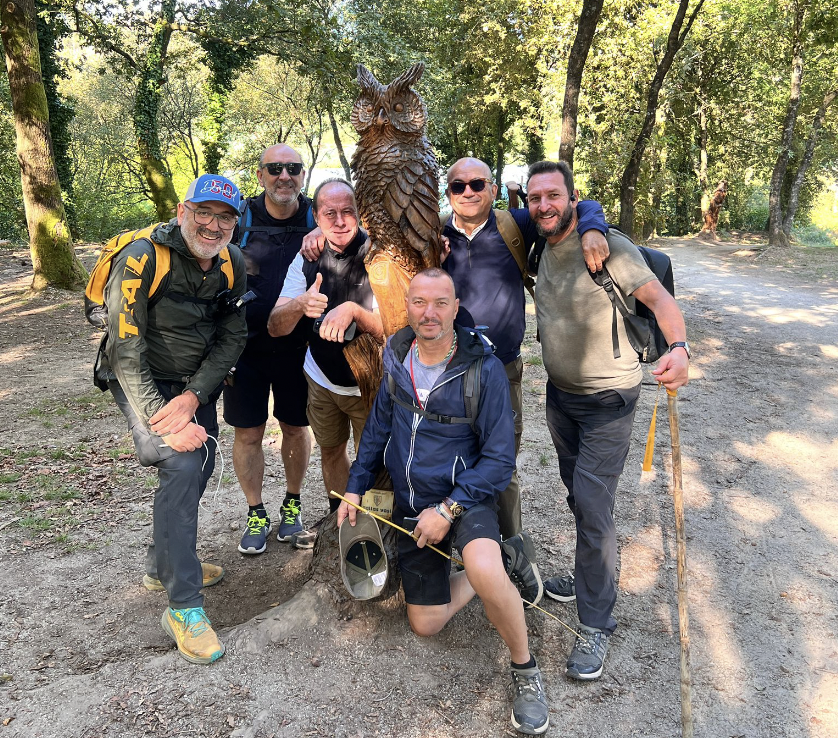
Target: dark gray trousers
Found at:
x=182, y=480
x=591, y=434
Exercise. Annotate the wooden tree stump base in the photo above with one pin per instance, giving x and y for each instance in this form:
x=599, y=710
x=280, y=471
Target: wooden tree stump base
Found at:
x=323, y=598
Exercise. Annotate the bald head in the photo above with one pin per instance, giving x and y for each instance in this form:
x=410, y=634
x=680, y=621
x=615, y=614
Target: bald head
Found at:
x=282, y=188
x=470, y=192
x=471, y=165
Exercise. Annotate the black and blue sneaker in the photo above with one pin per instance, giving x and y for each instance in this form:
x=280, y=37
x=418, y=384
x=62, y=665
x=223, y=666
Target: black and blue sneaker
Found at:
x=255, y=538
x=291, y=521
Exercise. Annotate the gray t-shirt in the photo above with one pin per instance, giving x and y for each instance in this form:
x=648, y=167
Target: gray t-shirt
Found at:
x=574, y=317
x=424, y=377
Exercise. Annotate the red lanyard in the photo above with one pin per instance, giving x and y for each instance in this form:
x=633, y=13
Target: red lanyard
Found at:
x=412, y=380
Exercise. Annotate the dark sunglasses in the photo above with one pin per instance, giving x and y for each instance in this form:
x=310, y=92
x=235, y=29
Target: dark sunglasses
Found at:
x=477, y=185
x=275, y=168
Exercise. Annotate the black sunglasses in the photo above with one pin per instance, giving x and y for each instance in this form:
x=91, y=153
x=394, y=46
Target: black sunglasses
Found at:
x=275, y=168
x=477, y=185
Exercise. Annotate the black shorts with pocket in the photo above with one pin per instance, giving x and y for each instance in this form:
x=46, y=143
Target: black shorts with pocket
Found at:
x=425, y=573
x=257, y=375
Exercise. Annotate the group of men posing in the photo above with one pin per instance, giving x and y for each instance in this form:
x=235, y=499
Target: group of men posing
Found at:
x=454, y=476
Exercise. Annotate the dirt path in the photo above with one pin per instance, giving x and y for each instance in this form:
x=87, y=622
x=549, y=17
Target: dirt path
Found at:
x=82, y=652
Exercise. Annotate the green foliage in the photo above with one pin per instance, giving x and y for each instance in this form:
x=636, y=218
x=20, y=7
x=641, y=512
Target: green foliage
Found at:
x=12, y=218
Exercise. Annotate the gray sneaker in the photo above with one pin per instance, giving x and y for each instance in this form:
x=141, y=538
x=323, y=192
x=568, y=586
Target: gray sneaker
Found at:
x=588, y=654
x=561, y=588
x=530, y=712
x=519, y=559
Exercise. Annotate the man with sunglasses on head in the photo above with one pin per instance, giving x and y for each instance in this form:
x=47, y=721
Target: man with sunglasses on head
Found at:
x=271, y=233
x=170, y=342
x=490, y=287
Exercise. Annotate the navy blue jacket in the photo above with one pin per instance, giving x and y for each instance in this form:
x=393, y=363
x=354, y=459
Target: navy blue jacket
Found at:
x=428, y=460
x=488, y=281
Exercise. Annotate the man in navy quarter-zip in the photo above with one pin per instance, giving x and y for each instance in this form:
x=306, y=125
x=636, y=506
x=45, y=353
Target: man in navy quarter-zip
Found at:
x=450, y=450
x=490, y=284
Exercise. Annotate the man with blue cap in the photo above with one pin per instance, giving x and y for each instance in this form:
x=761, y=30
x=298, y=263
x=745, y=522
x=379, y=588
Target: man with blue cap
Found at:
x=175, y=326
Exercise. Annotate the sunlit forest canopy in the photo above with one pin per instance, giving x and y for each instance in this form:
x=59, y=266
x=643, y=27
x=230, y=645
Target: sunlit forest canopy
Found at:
x=143, y=96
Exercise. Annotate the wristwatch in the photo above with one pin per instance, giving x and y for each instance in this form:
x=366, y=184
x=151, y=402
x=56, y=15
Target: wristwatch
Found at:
x=455, y=507
x=681, y=344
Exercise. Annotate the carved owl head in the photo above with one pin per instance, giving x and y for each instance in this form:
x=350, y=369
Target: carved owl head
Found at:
x=396, y=105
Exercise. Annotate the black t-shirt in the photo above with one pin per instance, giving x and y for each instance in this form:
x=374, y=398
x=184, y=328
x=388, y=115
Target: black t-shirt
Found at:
x=268, y=256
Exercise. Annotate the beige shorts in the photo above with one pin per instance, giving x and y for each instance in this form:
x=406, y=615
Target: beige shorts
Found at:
x=331, y=415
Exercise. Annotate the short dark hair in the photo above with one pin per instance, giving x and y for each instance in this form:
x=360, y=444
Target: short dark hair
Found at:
x=548, y=167
x=329, y=181
x=437, y=273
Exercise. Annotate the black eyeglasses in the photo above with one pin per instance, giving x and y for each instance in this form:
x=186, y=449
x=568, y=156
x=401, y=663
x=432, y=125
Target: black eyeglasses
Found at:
x=226, y=221
x=458, y=187
x=275, y=168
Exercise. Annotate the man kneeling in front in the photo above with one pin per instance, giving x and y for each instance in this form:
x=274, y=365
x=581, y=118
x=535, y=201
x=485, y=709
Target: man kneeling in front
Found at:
x=449, y=461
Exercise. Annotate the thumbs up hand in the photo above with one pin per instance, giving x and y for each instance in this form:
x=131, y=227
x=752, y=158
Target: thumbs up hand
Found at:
x=311, y=301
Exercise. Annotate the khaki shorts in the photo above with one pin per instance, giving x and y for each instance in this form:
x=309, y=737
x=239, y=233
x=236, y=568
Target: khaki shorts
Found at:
x=330, y=416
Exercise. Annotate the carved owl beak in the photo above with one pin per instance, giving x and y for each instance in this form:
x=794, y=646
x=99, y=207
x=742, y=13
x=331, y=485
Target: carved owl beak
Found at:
x=381, y=120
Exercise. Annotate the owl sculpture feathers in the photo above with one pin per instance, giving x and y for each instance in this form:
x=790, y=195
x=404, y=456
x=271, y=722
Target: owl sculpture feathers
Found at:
x=396, y=171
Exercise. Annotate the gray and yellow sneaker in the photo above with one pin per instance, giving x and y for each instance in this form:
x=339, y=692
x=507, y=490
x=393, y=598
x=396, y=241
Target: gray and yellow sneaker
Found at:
x=291, y=520
x=519, y=560
x=588, y=654
x=530, y=711
x=255, y=538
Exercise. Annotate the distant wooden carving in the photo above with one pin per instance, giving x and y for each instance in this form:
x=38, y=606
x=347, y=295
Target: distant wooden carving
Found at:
x=711, y=217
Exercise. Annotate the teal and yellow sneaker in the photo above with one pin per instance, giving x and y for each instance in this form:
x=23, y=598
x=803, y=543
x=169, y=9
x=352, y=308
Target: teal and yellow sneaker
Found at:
x=191, y=630
x=292, y=519
x=255, y=538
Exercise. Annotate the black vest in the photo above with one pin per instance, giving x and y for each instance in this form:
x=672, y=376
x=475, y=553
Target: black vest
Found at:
x=344, y=280
x=268, y=253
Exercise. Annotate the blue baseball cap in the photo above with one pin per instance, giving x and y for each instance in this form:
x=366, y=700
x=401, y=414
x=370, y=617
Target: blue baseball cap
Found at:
x=214, y=187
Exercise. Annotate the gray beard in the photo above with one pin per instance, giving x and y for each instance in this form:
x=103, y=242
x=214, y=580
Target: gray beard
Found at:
x=283, y=197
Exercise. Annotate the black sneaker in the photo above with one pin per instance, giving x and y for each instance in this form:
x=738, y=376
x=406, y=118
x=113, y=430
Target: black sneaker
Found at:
x=530, y=712
x=588, y=654
x=519, y=559
x=291, y=521
x=562, y=588
x=254, y=540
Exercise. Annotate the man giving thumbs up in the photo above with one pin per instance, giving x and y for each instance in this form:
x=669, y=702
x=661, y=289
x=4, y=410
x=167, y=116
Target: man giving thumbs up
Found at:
x=330, y=294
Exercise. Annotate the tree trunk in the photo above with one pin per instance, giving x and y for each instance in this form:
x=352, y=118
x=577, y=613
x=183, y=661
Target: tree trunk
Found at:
x=213, y=142
x=776, y=235
x=50, y=29
x=632, y=172
x=50, y=243
x=585, y=30
x=338, y=144
x=146, y=107
x=500, y=150
x=702, y=156
x=808, y=155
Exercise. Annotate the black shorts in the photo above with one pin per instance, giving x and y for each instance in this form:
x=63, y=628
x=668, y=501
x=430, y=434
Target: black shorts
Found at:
x=257, y=374
x=424, y=572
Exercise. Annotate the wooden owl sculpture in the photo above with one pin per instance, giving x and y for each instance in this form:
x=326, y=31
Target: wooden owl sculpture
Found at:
x=396, y=174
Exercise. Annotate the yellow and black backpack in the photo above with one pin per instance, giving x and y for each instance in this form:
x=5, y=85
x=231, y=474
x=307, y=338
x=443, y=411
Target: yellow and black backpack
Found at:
x=94, y=296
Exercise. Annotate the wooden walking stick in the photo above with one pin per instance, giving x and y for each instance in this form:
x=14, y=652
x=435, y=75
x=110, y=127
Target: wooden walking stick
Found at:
x=681, y=544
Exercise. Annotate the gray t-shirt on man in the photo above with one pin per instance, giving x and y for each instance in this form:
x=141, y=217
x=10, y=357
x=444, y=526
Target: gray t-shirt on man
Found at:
x=575, y=315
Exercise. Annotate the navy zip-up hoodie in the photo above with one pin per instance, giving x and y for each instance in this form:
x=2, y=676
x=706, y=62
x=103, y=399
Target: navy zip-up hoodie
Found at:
x=428, y=460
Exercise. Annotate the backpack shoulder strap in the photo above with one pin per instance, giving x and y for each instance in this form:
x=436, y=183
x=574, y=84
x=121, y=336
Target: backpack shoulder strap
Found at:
x=245, y=221
x=162, y=266
x=227, y=266
x=437, y=418
x=471, y=390
x=514, y=240
x=310, y=218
